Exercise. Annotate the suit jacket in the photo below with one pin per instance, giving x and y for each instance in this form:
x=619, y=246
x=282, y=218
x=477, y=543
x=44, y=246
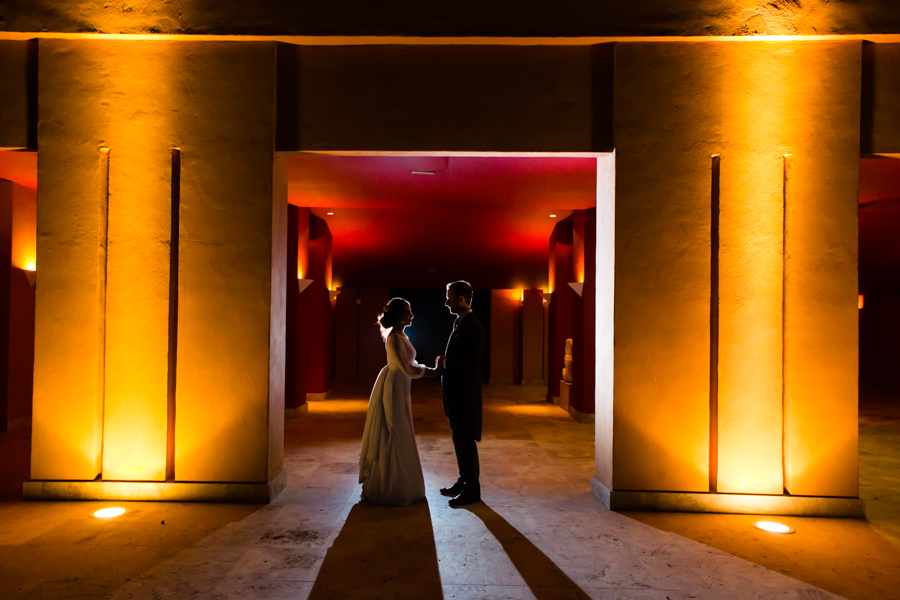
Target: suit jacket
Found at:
x=461, y=381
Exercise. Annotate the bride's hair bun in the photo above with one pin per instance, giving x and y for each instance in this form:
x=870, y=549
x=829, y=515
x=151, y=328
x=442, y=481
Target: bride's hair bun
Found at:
x=390, y=314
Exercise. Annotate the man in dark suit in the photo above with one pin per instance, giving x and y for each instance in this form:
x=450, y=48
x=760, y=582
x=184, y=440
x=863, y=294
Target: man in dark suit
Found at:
x=460, y=371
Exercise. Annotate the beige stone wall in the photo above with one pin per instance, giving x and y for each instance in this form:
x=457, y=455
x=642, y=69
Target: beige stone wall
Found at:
x=16, y=122
x=434, y=98
x=880, y=106
x=468, y=18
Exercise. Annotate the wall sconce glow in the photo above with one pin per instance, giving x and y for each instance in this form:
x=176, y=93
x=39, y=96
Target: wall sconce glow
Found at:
x=552, y=216
x=30, y=266
x=331, y=213
x=109, y=513
x=860, y=301
x=773, y=527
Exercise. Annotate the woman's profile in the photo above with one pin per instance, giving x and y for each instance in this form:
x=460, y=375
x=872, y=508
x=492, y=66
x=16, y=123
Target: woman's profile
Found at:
x=389, y=465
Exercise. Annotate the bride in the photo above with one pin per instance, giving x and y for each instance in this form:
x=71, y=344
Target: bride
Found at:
x=389, y=466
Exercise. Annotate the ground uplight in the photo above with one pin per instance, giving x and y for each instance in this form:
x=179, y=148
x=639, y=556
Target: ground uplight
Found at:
x=108, y=513
x=773, y=527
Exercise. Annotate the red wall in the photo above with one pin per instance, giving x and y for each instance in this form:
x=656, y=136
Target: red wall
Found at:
x=18, y=206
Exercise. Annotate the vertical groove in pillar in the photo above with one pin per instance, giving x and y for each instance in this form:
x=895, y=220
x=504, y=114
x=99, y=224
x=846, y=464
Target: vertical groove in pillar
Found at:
x=173, y=315
x=750, y=329
x=103, y=256
x=714, y=326
x=786, y=428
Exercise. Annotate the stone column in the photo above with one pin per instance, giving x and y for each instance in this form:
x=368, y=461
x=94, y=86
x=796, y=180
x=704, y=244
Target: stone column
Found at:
x=148, y=153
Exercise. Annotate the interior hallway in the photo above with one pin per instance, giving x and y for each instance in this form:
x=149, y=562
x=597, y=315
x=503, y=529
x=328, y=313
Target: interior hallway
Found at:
x=539, y=534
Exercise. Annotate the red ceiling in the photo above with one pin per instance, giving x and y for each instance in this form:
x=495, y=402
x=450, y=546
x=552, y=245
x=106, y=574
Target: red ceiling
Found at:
x=485, y=219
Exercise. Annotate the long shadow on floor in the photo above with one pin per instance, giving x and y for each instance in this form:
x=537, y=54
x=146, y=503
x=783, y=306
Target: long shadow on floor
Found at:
x=543, y=577
x=382, y=552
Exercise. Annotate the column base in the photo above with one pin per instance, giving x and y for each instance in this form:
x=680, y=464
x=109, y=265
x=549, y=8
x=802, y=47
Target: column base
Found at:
x=296, y=413
x=580, y=416
x=747, y=504
x=162, y=491
x=565, y=392
x=318, y=397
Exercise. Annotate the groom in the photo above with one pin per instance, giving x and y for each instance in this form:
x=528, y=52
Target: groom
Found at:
x=460, y=371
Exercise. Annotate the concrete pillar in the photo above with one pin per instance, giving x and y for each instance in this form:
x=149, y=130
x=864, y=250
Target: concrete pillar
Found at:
x=821, y=343
x=108, y=372
x=505, y=336
x=316, y=329
x=532, y=347
x=715, y=218
x=583, y=313
x=232, y=271
x=560, y=309
x=346, y=338
x=70, y=301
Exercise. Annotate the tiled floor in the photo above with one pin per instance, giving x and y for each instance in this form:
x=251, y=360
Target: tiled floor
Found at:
x=539, y=533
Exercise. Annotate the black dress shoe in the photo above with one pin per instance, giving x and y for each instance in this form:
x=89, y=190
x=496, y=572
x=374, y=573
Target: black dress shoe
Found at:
x=466, y=497
x=454, y=490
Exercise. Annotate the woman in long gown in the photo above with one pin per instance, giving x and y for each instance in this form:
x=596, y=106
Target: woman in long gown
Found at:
x=389, y=465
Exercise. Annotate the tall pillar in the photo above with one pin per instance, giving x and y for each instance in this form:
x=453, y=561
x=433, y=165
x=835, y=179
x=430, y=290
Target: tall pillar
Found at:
x=716, y=219
x=561, y=298
x=316, y=318
x=583, y=314
x=142, y=187
x=232, y=271
x=532, y=347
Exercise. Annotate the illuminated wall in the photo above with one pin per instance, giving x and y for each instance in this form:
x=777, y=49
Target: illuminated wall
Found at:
x=726, y=260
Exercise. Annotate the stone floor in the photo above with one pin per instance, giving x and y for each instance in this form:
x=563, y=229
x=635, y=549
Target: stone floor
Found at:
x=538, y=534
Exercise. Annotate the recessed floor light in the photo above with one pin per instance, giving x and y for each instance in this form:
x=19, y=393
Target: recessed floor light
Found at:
x=773, y=527
x=108, y=513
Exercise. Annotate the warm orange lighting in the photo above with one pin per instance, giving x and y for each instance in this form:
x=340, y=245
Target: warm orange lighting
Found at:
x=30, y=266
x=109, y=513
x=773, y=527
x=860, y=301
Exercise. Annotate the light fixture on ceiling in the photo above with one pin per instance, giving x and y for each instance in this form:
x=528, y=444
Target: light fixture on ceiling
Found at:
x=773, y=527
x=109, y=513
x=423, y=172
x=331, y=213
x=552, y=216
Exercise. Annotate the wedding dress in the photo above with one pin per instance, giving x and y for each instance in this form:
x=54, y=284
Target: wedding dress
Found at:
x=389, y=466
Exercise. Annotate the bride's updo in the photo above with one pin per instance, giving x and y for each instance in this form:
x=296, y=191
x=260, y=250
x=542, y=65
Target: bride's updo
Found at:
x=390, y=315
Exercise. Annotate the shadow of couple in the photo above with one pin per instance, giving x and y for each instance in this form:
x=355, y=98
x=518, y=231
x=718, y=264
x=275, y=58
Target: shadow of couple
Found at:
x=388, y=552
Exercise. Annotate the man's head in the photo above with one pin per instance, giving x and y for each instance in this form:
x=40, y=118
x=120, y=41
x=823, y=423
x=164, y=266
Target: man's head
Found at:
x=459, y=297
